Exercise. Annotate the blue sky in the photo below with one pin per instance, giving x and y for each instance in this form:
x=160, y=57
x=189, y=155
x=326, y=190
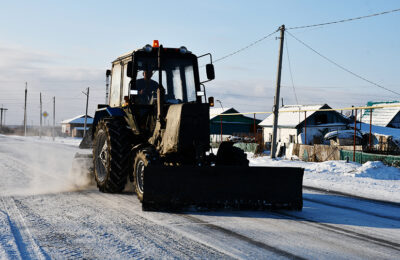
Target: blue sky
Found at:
x=62, y=47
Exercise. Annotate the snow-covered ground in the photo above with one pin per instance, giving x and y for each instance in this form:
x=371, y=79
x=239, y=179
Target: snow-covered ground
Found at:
x=45, y=213
x=372, y=179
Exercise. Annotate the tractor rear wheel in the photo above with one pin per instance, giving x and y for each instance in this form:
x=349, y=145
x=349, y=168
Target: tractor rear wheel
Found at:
x=111, y=153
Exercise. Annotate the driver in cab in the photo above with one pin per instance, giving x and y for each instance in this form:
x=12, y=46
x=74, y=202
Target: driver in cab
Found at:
x=146, y=87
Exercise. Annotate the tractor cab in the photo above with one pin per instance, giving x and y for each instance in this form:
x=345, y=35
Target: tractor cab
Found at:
x=147, y=81
x=143, y=71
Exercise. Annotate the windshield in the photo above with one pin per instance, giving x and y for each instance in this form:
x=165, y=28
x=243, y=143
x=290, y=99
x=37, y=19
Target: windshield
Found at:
x=177, y=78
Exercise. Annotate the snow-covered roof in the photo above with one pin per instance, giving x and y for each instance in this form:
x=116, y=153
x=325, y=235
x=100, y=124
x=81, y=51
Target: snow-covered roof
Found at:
x=291, y=119
x=380, y=116
x=78, y=120
x=217, y=111
x=395, y=132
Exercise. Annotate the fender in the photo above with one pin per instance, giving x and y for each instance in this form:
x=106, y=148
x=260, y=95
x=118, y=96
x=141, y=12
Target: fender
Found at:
x=106, y=112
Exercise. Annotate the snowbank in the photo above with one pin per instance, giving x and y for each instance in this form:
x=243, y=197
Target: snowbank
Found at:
x=372, y=179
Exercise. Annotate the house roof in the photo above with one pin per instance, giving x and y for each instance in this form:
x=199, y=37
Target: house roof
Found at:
x=292, y=119
x=381, y=116
x=214, y=112
x=78, y=120
x=395, y=132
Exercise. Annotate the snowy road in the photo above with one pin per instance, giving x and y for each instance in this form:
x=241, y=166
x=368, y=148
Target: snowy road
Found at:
x=44, y=213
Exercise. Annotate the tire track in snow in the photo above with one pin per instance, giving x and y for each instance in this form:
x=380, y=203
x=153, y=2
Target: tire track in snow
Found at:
x=27, y=246
x=382, y=202
x=8, y=245
x=353, y=209
x=167, y=242
x=343, y=231
x=227, y=232
x=275, y=250
x=48, y=236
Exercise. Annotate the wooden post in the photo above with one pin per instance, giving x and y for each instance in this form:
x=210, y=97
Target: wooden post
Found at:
x=86, y=113
x=40, y=127
x=220, y=118
x=54, y=118
x=305, y=127
x=370, y=129
x=26, y=95
x=255, y=129
x=354, y=140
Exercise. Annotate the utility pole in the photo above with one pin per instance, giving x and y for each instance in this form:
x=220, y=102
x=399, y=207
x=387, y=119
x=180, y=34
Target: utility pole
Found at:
x=277, y=92
x=87, y=103
x=220, y=117
x=40, y=128
x=1, y=118
x=4, y=122
x=54, y=116
x=26, y=94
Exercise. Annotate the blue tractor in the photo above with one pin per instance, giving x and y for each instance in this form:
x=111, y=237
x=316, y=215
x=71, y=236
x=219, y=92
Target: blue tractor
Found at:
x=154, y=132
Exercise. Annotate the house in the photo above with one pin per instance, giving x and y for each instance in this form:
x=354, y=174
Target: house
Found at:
x=230, y=124
x=293, y=125
x=386, y=117
x=383, y=138
x=75, y=126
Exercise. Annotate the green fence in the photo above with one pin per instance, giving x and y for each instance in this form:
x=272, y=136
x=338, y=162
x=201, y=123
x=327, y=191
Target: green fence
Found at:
x=365, y=157
x=247, y=147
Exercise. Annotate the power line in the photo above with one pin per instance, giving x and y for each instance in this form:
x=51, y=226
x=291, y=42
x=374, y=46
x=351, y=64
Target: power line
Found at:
x=305, y=26
x=344, y=20
x=290, y=70
x=246, y=47
x=341, y=67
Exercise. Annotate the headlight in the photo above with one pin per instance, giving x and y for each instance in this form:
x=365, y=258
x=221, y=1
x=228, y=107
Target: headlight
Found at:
x=147, y=48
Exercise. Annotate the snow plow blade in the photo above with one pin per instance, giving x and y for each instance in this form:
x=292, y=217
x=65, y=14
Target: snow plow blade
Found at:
x=170, y=188
x=82, y=162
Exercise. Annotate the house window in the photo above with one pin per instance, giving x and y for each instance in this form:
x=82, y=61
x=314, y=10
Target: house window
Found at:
x=321, y=119
x=291, y=139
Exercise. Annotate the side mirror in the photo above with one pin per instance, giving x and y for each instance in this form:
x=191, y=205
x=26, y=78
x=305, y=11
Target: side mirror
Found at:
x=108, y=73
x=210, y=71
x=211, y=101
x=129, y=69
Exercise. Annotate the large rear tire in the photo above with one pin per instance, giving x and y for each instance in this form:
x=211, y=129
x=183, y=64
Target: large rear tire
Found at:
x=111, y=153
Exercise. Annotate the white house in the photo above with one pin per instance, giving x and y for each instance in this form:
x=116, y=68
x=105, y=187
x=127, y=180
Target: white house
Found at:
x=293, y=125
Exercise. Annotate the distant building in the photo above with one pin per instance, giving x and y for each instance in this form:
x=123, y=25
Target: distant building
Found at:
x=231, y=125
x=386, y=117
x=292, y=126
x=75, y=126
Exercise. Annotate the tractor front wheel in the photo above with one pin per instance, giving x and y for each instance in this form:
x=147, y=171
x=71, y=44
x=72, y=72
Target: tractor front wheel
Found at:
x=111, y=153
x=139, y=169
